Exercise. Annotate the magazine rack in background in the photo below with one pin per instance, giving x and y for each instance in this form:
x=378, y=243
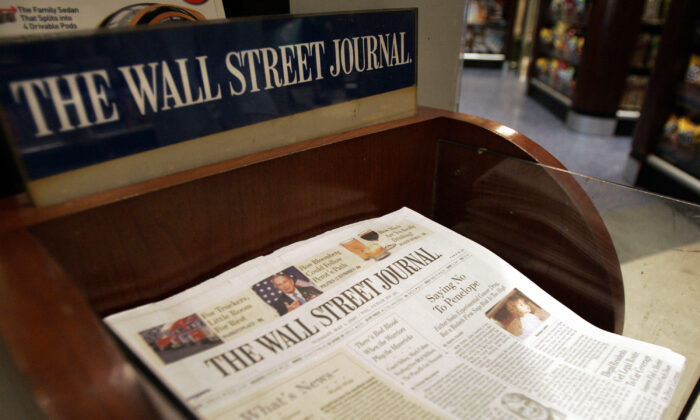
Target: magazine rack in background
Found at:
x=64, y=267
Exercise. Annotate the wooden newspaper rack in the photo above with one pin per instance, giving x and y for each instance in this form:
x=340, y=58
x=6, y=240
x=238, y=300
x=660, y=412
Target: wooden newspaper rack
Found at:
x=64, y=267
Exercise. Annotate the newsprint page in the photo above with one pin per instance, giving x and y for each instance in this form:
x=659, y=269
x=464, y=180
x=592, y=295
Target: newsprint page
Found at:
x=394, y=317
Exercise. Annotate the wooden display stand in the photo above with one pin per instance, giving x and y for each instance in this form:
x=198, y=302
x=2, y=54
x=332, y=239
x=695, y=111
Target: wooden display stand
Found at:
x=64, y=267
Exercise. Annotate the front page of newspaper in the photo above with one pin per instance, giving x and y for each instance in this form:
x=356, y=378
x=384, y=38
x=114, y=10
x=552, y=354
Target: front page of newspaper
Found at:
x=394, y=317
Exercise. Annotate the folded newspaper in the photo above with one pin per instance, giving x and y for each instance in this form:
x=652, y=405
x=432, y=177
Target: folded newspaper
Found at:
x=394, y=317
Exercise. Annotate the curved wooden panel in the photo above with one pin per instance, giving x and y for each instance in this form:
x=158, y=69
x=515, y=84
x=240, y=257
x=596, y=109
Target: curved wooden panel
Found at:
x=538, y=219
x=524, y=213
x=66, y=356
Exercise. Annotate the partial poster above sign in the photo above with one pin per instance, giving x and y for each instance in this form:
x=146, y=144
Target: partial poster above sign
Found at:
x=33, y=17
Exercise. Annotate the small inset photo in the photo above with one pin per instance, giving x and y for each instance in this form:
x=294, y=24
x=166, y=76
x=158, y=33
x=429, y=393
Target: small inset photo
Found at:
x=286, y=290
x=180, y=339
x=528, y=409
x=517, y=314
x=367, y=244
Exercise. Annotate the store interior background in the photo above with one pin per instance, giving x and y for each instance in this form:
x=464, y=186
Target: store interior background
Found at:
x=525, y=65
x=495, y=82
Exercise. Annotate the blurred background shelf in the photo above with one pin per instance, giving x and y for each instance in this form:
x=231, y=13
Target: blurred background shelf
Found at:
x=605, y=82
x=488, y=32
x=665, y=148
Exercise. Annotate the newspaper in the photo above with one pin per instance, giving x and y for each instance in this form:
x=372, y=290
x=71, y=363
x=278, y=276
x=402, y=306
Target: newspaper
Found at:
x=394, y=317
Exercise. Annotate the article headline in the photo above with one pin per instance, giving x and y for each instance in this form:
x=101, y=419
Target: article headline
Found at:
x=323, y=316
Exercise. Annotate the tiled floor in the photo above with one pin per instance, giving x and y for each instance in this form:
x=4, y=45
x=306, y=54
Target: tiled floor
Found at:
x=500, y=96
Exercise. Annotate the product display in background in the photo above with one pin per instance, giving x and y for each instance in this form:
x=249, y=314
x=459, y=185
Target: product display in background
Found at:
x=571, y=11
x=558, y=74
x=688, y=92
x=486, y=27
x=692, y=74
x=644, y=54
x=680, y=142
x=653, y=51
x=433, y=326
x=563, y=42
x=655, y=11
x=633, y=95
x=46, y=16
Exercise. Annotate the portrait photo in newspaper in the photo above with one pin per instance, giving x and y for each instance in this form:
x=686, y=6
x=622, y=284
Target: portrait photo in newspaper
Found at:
x=286, y=290
x=518, y=315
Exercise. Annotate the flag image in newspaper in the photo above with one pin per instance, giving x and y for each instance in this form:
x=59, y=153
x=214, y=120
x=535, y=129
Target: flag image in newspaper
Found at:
x=180, y=339
x=286, y=290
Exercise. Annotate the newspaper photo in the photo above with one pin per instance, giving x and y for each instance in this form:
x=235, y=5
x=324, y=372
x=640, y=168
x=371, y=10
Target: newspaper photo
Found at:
x=393, y=317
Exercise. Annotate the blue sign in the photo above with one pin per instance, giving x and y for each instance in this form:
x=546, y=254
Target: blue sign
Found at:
x=71, y=102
